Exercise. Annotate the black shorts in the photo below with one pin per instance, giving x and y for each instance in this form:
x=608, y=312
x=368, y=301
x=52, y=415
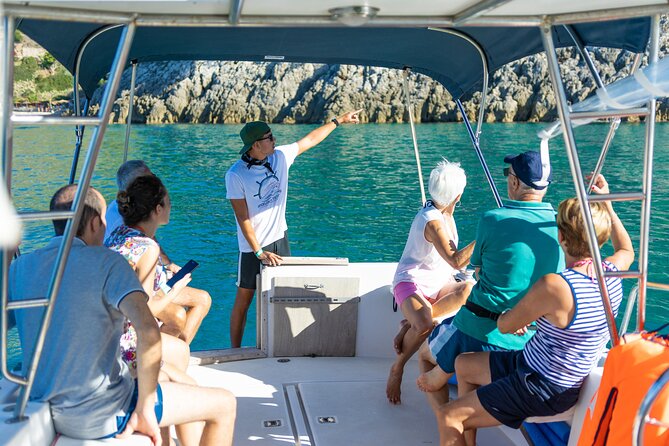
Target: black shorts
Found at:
x=249, y=265
x=518, y=392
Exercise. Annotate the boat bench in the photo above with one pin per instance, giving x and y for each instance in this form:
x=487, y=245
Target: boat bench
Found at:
x=575, y=416
x=38, y=429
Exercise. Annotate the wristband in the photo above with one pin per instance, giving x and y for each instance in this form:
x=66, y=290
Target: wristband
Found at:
x=165, y=288
x=259, y=252
x=335, y=122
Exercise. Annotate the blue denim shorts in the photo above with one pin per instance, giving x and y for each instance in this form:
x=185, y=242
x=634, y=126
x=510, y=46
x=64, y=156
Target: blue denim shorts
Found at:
x=447, y=342
x=517, y=391
x=122, y=420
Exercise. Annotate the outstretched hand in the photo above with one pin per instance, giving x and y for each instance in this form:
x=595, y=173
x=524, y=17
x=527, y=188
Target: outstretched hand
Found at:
x=350, y=117
x=146, y=424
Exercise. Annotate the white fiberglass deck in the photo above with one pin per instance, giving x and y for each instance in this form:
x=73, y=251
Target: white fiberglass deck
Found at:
x=328, y=402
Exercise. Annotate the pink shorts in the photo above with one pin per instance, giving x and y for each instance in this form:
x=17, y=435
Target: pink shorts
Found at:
x=405, y=289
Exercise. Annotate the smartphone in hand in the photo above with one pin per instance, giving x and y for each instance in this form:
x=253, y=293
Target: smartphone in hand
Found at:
x=187, y=268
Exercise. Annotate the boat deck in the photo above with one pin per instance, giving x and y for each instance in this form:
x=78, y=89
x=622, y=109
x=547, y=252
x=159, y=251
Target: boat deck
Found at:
x=328, y=402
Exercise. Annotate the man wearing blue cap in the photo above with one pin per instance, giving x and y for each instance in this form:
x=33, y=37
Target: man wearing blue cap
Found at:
x=257, y=187
x=515, y=245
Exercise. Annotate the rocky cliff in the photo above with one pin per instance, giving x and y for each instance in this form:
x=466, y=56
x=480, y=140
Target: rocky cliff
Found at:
x=233, y=92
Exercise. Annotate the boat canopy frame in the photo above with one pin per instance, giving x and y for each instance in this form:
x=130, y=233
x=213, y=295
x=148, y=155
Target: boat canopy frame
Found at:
x=551, y=37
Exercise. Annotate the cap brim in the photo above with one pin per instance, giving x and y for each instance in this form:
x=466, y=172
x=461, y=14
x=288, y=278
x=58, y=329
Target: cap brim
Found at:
x=509, y=158
x=245, y=149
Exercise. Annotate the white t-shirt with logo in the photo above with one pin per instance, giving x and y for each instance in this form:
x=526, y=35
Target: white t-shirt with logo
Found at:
x=265, y=193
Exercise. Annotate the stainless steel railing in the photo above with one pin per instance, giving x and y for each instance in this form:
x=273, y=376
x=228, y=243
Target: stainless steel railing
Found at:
x=8, y=120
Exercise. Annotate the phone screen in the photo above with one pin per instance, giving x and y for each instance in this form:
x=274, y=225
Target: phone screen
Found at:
x=187, y=268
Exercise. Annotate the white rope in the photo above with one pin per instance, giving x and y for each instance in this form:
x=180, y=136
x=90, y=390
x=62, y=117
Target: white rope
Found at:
x=405, y=77
x=655, y=90
x=545, y=164
x=603, y=96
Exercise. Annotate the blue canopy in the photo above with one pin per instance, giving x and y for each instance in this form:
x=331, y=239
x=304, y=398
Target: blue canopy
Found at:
x=448, y=59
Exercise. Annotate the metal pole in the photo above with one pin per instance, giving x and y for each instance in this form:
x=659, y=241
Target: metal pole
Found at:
x=7, y=98
x=640, y=419
x=577, y=175
x=484, y=66
x=584, y=54
x=647, y=188
x=6, y=109
x=598, y=81
x=479, y=154
x=77, y=205
x=602, y=155
x=405, y=83
x=131, y=106
x=79, y=137
x=235, y=11
x=631, y=299
x=79, y=130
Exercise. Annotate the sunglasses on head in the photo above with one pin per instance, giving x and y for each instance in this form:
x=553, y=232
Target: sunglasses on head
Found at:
x=270, y=137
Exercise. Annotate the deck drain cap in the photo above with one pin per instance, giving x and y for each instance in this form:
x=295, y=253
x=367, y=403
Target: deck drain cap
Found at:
x=271, y=423
x=283, y=360
x=327, y=420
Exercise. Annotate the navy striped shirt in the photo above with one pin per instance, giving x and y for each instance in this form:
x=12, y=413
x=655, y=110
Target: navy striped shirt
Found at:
x=565, y=356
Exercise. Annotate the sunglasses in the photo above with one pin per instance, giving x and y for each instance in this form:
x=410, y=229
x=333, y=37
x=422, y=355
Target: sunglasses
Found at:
x=270, y=137
x=507, y=172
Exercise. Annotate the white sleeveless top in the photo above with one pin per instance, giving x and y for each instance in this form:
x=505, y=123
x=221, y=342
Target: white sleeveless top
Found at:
x=421, y=263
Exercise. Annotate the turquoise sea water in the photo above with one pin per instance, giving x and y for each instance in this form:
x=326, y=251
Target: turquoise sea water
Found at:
x=354, y=195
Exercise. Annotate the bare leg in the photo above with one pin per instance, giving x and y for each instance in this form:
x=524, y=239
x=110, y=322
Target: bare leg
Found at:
x=173, y=318
x=463, y=414
x=397, y=342
x=473, y=370
x=175, y=352
x=419, y=314
x=183, y=403
x=198, y=302
x=165, y=436
x=187, y=433
x=450, y=298
x=427, y=362
x=433, y=380
x=238, y=316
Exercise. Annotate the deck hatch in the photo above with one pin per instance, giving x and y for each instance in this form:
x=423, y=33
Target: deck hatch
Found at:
x=306, y=316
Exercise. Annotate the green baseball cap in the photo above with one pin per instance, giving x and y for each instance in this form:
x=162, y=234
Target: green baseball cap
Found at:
x=252, y=132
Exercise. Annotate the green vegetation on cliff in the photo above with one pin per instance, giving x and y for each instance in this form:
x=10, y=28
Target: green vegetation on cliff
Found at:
x=38, y=76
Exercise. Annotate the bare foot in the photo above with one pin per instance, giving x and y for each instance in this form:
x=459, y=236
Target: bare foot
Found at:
x=397, y=342
x=432, y=381
x=394, y=385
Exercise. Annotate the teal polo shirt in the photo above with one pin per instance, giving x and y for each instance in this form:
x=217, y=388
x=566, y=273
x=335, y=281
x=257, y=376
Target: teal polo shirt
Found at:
x=515, y=245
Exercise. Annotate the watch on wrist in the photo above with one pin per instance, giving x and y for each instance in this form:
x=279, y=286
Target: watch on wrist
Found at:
x=335, y=122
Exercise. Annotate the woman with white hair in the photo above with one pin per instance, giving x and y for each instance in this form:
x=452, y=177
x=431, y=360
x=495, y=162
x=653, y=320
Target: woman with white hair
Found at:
x=424, y=286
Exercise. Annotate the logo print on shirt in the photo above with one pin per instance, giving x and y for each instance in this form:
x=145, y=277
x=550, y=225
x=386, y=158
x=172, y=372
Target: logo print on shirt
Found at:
x=269, y=190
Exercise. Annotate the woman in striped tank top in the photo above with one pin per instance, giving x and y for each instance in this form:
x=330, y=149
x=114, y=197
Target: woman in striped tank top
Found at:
x=545, y=377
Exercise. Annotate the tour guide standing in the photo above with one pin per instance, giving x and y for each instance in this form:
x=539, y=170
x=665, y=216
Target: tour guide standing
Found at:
x=257, y=187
